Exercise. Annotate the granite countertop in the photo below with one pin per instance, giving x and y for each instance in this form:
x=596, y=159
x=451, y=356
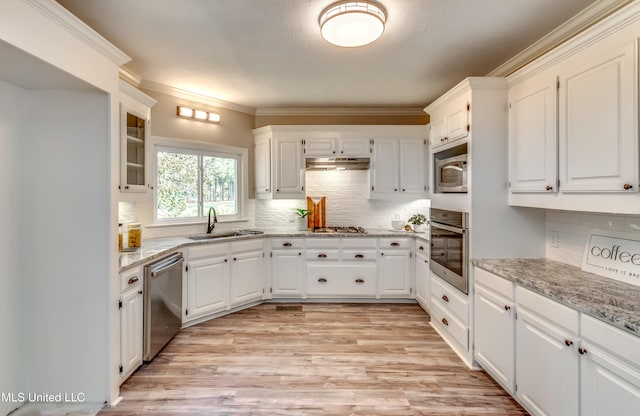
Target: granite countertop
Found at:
x=609, y=300
x=155, y=248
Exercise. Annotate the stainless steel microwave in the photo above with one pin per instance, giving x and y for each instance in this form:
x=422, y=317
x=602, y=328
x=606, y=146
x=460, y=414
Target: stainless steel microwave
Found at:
x=451, y=174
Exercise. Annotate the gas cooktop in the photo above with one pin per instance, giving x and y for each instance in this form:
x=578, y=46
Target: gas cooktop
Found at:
x=345, y=230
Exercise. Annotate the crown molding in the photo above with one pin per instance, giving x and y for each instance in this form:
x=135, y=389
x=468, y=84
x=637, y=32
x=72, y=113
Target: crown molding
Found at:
x=193, y=96
x=375, y=111
x=581, y=21
x=66, y=20
x=129, y=76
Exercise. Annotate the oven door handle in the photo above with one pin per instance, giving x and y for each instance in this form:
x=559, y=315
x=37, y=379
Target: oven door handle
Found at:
x=448, y=228
x=170, y=263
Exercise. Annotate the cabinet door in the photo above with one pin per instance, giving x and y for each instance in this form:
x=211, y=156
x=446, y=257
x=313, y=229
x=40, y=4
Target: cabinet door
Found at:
x=289, y=171
x=247, y=279
x=394, y=273
x=354, y=147
x=546, y=367
x=533, y=143
x=495, y=335
x=131, y=331
x=320, y=147
x=436, y=134
x=456, y=119
x=413, y=178
x=608, y=386
x=207, y=287
x=385, y=172
x=423, y=279
x=287, y=273
x=263, y=166
x=597, y=122
x=134, y=133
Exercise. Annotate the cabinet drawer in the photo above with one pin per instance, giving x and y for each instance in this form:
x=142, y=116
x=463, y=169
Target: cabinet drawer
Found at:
x=131, y=278
x=450, y=299
x=497, y=284
x=359, y=242
x=247, y=245
x=448, y=323
x=615, y=340
x=358, y=255
x=279, y=243
x=394, y=243
x=422, y=246
x=550, y=310
x=204, y=251
x=322, y=255
x=341, y=280
x=322, y=242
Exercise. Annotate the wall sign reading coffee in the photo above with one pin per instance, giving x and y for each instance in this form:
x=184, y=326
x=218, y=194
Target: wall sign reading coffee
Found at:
x=613, y=254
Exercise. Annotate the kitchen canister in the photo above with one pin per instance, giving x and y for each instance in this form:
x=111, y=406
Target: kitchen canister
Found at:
x=135, y=235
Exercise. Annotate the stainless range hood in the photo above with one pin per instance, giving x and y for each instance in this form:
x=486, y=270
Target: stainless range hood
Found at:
x=337, y=163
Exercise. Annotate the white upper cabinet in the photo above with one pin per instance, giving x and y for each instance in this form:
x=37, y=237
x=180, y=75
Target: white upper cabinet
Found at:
x=385, y=169
x=289, y=169
x=399, y=166
x=262, y=157
x=337, y=147
x=451, y=123
x=354, y=147
x=320, y=147
x=533, y=144
x=598, y=114
x=413, y=156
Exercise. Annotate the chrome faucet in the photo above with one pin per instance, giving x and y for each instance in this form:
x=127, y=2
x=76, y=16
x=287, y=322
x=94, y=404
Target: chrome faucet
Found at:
x=212, y=225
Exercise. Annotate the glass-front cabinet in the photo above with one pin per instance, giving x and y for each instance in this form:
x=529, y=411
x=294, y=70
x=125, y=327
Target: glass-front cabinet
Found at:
x=135, y=110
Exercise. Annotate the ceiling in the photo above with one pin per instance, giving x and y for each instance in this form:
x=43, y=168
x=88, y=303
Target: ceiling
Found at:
x=268, y=54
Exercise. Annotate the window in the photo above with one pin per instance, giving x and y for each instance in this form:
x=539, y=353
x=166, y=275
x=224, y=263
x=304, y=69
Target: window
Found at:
x=190, y=181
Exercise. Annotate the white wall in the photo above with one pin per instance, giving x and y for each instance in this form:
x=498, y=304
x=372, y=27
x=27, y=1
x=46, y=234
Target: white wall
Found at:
x=573, y=229
x=347, y=203
x=12, y=106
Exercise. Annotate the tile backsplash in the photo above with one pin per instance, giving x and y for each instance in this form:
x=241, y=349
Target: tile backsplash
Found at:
x=567, y=232
x=347, y=203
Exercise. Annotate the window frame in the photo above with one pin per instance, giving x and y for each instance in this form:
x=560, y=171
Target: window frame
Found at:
x=240, y=154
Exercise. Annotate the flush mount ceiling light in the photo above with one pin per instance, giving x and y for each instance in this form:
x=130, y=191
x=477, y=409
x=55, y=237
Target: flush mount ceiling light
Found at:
x=352, y=23
x=200, y=115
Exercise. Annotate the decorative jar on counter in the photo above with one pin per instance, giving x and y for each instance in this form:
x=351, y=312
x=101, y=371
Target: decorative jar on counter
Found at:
x=135, y=235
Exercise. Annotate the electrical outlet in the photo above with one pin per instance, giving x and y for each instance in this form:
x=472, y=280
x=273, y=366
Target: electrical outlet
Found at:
x=555, y=239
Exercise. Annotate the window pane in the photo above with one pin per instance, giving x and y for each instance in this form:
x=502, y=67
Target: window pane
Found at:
x=219, y=184
x=177, y=185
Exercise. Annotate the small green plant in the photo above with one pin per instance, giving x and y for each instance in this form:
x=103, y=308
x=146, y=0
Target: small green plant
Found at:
x=417, y=219
x=302, y=213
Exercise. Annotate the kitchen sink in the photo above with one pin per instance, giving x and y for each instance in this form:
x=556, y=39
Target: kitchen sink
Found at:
x=224, y=234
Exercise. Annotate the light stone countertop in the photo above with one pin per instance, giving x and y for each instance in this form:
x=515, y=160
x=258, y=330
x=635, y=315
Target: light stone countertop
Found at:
x=156, y=248
x=609, y=300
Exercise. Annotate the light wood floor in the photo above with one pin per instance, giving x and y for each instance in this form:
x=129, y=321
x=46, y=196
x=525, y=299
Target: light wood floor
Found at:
x=325, y=359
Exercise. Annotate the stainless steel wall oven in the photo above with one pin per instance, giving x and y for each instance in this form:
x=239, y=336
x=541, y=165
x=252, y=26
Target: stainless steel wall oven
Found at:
x=450, y=247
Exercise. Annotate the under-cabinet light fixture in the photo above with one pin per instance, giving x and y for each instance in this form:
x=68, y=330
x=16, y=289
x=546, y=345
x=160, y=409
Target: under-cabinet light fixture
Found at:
x=352, y=23
x=200, y=115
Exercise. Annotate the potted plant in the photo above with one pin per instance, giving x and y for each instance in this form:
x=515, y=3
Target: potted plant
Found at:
x=419, y=222
x=302, y=215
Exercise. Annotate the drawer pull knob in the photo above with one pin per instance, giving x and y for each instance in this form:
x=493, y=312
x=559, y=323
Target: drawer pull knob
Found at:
x=286, y=244
x=445, y=298
x=322, y=256
x=507, y=307
x=582, y=351
x=300, y=254
x=568, y=342
x=359, y=281
x=322, y=280
x=444, y=321
x=359, y=256
x=548, y=188
x=627, y=186
x=421, y=248
x=133, y=280
x=395, y=244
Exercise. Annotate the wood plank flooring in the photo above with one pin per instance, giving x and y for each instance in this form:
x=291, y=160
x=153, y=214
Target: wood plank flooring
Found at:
x=322, y=359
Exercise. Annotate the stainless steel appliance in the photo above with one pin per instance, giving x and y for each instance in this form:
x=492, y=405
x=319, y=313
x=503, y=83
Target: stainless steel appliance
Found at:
x=451, y=174
x=344, y=230
x=450, y=247
x=162, y=303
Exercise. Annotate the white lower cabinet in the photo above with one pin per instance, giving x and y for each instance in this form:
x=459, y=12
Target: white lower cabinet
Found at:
x=207, y=286
x=422, y=274
x=131, y=311
x=394, y=268
x=450, y=315
x=546, y=355
x=339, y=279
x=494, y=313
x=247, y=272
x=609, y=370
x=287, y=268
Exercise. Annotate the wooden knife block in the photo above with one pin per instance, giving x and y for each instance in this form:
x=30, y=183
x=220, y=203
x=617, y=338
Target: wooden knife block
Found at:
x=317, y=213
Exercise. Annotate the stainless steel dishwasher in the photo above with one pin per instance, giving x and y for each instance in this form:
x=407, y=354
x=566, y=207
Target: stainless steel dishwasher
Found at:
x=162, y=303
